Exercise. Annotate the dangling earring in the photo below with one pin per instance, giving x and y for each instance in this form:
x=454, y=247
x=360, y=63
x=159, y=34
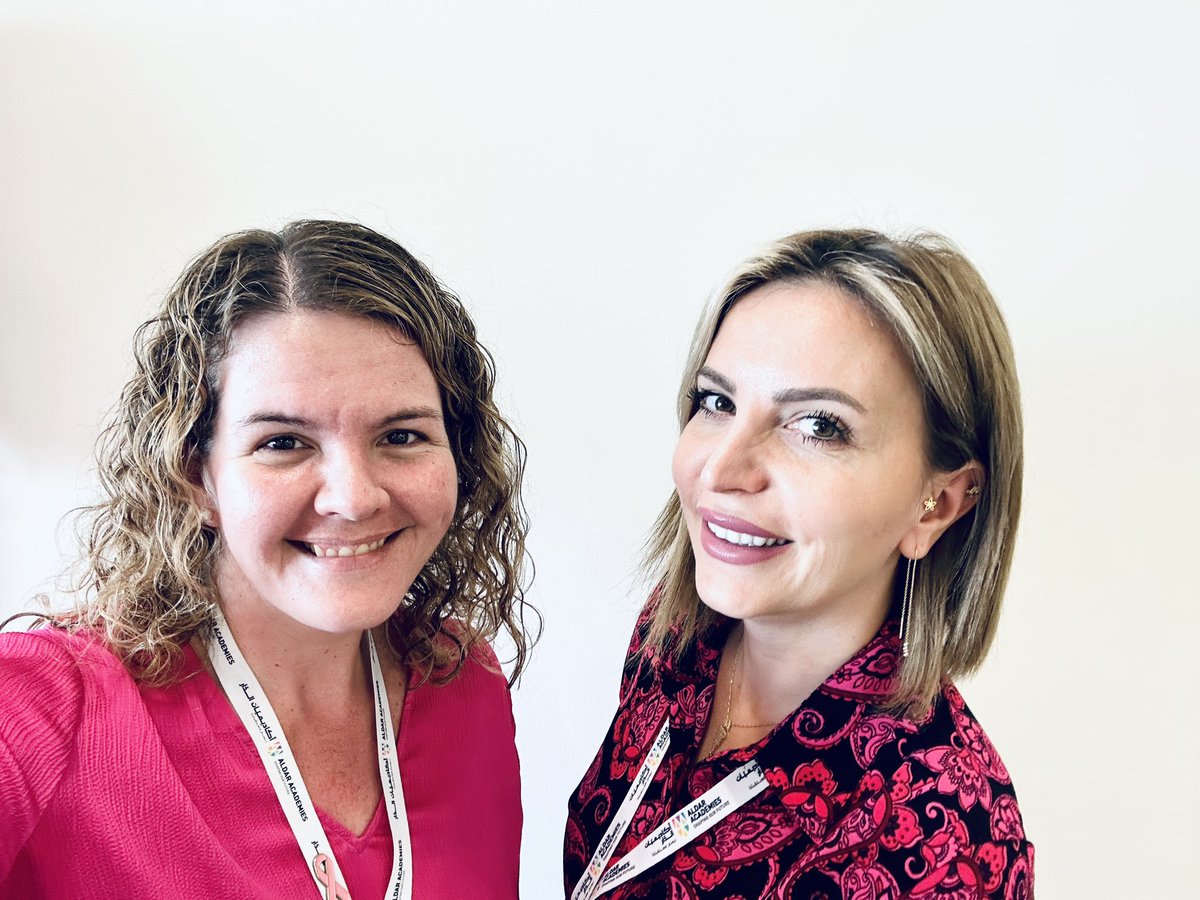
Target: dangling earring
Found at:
x=910, y=576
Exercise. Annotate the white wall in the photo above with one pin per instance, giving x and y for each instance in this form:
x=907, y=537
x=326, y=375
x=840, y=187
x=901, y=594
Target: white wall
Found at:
x=584, y=175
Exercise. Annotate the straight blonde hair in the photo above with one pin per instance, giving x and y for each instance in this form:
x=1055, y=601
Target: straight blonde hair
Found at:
x=937, y=306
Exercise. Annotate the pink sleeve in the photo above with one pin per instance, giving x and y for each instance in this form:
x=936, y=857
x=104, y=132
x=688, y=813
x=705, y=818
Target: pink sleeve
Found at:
x=41, y=695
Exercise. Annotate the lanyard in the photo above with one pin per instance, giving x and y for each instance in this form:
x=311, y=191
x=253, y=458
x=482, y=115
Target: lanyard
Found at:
x=254, y=709
x=682, y=828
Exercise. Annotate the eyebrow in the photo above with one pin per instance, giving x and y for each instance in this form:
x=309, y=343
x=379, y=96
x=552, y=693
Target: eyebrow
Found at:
x=791, y=395
x=276, y=418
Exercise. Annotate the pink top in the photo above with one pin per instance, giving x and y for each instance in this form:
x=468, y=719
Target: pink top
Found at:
x=110, y=789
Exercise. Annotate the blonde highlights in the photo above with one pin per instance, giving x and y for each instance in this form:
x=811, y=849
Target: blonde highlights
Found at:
x=147, y=582
x=947, y=323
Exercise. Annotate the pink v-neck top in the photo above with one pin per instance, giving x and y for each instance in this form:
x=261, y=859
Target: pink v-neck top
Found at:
x=111, y=789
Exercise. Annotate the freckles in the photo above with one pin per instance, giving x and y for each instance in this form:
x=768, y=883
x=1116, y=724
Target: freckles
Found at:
x=434, y=490
x=449, y=495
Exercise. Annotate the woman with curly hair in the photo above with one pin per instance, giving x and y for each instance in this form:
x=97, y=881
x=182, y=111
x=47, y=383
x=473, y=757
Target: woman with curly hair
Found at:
x=277, y=679
x=848, y=483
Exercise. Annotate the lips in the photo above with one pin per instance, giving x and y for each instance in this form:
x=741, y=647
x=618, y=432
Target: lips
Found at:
x=738, y=527
x=340, y=548
x=742, y=538
x=738, y=542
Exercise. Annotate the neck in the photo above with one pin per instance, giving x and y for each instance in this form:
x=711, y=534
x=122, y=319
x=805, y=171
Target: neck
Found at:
x=306, y=673
x=785, y=659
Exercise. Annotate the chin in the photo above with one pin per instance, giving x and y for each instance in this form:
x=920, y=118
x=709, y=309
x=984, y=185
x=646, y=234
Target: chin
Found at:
x=735, y=611
x=346, y=621
x=731, y=604
x=737, y=597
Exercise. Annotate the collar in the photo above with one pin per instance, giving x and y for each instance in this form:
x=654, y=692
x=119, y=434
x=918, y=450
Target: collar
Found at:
x=869, y=675
x=866, y=679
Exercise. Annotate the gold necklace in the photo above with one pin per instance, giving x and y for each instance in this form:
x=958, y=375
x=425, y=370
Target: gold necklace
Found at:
x=723, y=731
x=727, y=724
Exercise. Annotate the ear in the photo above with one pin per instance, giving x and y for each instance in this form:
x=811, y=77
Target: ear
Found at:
x=954, y=494
x=205, y=498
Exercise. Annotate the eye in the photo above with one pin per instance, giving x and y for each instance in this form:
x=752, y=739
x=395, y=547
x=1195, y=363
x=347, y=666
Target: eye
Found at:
x=401, y=438
x=282, y=443
x=711, y=403
x=823, y=428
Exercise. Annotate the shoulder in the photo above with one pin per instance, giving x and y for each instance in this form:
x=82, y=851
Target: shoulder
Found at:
x=46, y=675
x=453, y=635
x=952, y=799
x=61, y=651
x=641, y=628
x=48, y=678
x=475, y=704
x=952, y=745
x=46, y=663
x=639, y=659
x=654, y=667
x=480, y=675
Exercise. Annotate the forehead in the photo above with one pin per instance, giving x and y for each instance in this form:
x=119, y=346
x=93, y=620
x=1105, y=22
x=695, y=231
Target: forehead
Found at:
x=306, y=356
x=809, y=334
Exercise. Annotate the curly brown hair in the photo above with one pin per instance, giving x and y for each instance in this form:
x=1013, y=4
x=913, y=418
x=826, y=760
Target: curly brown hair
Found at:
x=147, y=582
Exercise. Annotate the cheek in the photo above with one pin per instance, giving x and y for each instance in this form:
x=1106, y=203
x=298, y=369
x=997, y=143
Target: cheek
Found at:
x=257, y=502
x=449, y=499
x=834, y=511
x=853, y=517
x=686, y=464
x=436, y=492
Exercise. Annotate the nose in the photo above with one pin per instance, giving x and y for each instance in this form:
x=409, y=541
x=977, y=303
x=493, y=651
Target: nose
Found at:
x=735, y=462
x=350, y=488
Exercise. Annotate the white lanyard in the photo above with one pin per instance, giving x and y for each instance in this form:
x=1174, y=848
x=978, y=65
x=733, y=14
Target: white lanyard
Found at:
x=680, y=829
x=254, y=709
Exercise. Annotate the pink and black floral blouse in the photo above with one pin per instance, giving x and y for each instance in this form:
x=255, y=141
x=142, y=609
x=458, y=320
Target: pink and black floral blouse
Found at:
x=860, y=804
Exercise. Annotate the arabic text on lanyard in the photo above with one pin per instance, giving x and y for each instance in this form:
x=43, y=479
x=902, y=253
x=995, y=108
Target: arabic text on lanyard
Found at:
x=254, y=709
x=680, y=829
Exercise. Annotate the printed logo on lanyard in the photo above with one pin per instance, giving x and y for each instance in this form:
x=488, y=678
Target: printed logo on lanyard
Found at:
x=730, y=794
x=259, y=719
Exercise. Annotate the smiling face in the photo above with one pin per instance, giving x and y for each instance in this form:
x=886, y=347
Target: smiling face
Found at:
x=802, y=472
x=330, y=475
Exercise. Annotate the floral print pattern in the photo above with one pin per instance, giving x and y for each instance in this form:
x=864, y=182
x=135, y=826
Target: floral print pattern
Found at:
x=862, y=804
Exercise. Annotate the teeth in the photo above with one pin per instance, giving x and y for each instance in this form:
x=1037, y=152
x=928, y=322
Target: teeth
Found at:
x=345, y=550
x=744, y=540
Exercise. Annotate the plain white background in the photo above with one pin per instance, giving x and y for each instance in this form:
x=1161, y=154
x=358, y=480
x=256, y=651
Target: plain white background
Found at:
x=583, y=175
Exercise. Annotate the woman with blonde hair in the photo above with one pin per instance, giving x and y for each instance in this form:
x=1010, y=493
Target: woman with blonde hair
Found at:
x=848, y=483
x=277, y=681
